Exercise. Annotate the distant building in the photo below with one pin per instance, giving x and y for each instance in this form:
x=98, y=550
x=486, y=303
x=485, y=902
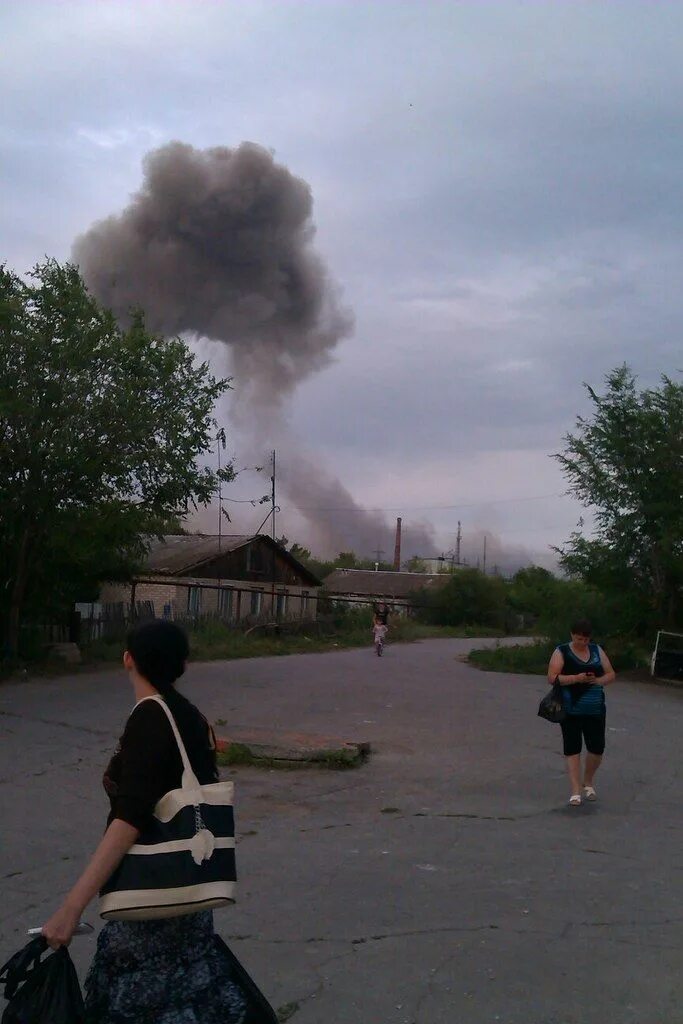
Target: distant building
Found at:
x=364, y=588
x=440, y=563
x=235, y=578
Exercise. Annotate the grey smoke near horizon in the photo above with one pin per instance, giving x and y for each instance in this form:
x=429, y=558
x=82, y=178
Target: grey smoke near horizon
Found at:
x=338, y=523
x=501, y=556
x=217, y=243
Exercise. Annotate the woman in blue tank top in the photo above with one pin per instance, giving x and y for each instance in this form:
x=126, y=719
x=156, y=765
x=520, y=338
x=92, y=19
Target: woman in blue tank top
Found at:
x=583, y=670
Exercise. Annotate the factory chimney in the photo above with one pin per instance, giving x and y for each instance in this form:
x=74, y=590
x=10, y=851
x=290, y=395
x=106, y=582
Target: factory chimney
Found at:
x=397, y=549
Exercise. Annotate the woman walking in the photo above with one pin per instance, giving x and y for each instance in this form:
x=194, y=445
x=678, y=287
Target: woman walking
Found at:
x=583, y=670
x=167, y=971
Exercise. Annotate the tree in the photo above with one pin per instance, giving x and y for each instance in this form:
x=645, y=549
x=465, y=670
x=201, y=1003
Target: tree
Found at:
x=532, y=590
x=626, y=463
x=415, y=564
x=466, y=597
x=101, y=430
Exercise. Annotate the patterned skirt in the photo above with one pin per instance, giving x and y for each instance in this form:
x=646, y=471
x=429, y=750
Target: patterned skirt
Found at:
x=161, y=972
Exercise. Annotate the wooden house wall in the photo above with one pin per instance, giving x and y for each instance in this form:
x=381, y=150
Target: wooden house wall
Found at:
x=254, y=563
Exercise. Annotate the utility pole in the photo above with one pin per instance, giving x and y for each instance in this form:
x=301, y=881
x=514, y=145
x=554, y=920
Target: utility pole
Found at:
x=457, y=543
x=272, y=500
x=220, y=443
x=484, y=569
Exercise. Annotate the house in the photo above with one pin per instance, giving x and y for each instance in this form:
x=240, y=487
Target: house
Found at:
x=235, y=578
x=365, y=588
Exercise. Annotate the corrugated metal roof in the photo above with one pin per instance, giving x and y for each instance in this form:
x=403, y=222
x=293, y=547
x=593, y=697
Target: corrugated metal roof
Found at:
x=175, y=553
x=178, y=553
x=367, y=583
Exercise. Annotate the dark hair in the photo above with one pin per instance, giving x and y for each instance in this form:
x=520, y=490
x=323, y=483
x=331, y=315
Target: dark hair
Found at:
x=160, y=650
x=582, y=627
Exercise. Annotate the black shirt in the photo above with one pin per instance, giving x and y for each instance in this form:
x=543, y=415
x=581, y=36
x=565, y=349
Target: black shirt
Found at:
x=147, y=764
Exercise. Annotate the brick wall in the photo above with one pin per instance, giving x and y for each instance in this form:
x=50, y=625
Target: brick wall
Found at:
x=164, y=592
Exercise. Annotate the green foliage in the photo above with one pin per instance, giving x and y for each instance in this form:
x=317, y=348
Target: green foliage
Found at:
x=212, y=640
x=302, y=555
x=101, y=429
x=626, y=463
x=525, y=659
x=235, y=754
x=532, y=659
x=467, y=596
x=322, y=567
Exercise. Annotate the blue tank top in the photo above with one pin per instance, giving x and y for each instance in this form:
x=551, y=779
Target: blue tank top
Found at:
x=582, y=698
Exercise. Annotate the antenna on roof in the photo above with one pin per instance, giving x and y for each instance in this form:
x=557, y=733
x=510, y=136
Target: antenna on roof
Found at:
x=220, y=443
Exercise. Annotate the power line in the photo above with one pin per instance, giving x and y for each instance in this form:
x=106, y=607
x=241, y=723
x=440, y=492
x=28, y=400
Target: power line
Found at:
x=426, y=508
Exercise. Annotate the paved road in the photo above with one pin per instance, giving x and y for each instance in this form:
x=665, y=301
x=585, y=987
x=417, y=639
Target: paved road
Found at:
x=444, y=882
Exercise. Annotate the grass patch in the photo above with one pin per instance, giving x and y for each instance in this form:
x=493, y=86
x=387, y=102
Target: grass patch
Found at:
x=532, y=659
x=214, y=641
x=286, y=1012
x=235, y=753
x=526, y=659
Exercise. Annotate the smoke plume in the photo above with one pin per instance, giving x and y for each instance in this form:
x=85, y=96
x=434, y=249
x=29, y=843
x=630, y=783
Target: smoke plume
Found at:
x=218, y=243
x=339, y=524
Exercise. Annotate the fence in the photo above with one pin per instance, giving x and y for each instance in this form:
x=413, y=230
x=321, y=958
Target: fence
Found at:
x=241, y=609
x=234, y=607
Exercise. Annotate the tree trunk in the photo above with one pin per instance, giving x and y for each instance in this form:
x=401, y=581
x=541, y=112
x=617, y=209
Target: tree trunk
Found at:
x=18, y=594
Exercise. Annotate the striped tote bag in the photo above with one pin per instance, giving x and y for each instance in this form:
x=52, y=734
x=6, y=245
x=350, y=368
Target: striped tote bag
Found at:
x=185, y=861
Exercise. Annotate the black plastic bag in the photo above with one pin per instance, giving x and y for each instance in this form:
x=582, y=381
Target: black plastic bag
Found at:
x=552, y=706
x=41, y=991
x=259, y=1010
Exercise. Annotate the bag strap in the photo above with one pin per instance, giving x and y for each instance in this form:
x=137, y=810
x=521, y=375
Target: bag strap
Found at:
x=190, y=780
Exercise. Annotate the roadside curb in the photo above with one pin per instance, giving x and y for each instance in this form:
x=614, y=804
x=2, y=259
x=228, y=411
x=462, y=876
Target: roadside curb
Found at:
x=260, y=746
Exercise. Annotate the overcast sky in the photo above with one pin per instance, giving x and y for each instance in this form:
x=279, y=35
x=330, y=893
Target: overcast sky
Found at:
x=497, y=192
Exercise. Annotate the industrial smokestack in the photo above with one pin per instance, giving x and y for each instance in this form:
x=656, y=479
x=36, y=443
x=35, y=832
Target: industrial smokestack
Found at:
x=397, y=548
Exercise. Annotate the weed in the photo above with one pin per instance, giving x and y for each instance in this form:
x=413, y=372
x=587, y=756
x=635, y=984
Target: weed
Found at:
x=284, y=1013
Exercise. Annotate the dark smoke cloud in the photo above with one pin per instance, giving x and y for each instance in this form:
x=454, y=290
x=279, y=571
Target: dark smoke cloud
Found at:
x=218, y=242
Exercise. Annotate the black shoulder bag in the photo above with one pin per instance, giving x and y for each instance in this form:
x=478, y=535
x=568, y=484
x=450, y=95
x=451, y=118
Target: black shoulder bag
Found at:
x=552, y=706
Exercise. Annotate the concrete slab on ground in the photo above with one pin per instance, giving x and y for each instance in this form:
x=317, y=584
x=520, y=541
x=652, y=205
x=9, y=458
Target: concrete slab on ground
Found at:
x=294, y=747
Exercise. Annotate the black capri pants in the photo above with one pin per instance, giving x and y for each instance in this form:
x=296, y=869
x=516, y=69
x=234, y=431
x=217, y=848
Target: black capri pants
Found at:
x=589, y=727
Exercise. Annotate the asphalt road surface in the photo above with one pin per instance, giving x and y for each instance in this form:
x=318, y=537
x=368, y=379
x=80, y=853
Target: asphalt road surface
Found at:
x=444, y=882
